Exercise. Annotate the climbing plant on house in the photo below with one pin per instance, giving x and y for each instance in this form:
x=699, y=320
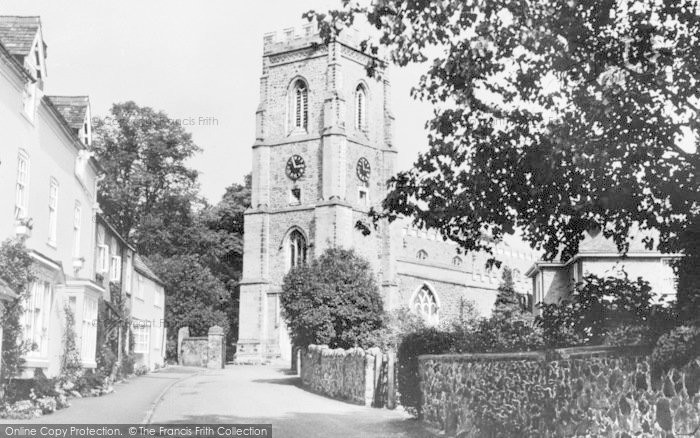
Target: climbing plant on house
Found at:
x=16, y=271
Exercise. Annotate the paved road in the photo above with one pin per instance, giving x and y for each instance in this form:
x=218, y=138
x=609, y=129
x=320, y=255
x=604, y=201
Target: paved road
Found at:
x=267, y=394
x=131, y=402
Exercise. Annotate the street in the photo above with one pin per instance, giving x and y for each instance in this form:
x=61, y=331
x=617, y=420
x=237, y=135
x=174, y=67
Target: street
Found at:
x=267, y=394
x=240, y=395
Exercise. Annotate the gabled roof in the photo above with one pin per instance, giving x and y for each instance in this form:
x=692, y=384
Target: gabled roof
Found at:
x=17, y=34
x=72, y=108
x=142, y=268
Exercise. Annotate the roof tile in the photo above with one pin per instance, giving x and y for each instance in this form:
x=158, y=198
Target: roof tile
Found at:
x=17, y=34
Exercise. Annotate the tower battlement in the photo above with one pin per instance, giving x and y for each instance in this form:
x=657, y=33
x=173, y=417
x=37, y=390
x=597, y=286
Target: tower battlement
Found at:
x=293, y=38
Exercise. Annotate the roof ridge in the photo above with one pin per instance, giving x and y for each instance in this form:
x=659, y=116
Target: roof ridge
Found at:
x=38, y=17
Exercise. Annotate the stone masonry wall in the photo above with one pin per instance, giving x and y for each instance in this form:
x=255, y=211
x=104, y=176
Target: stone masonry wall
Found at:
x=343, y=374
x=587, y=391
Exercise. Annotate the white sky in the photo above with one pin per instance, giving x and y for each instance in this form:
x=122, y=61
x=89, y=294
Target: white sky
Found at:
x=191, y=59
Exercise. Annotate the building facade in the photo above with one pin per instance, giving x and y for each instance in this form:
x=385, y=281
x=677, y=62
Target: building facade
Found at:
x=48, y=185
x=323, y=152
x=148, y=316
x=597, y=255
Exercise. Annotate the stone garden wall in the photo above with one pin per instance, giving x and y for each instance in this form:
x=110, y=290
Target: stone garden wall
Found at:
x=587, y=391
x=344, y=374
x=202, y=351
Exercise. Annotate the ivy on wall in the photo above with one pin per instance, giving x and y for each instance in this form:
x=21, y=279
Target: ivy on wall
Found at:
x=16, y=271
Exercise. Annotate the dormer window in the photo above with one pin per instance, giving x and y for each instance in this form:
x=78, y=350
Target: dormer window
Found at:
x=360, y=108
x=300, y=105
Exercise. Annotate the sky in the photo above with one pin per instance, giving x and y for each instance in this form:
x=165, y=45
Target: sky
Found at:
x=194, y=60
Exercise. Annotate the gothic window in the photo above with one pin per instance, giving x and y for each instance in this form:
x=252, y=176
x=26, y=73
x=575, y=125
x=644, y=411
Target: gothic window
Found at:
x=457, y=261
x=300, y=105
x=296, y=249
x=425, y=305
x=421, y=255
x=360, y=107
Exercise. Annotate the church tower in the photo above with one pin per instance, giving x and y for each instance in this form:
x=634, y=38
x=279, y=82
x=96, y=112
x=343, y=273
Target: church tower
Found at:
x=321, y=158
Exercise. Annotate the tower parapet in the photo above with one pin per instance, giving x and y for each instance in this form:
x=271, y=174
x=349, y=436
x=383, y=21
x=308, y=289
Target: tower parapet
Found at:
x=293, y=38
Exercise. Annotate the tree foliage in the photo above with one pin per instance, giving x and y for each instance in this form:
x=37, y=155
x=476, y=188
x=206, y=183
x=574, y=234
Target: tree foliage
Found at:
x=507, y=302
x=596, y=307
x=151, y=197
x=333, y=300
x=143, y=153
x=550, y=117
x=196, y=297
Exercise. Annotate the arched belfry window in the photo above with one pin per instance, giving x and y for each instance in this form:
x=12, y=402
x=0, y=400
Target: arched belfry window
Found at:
x=360, y=107
x=300, y=105
x=295, y=248
x=425, y=305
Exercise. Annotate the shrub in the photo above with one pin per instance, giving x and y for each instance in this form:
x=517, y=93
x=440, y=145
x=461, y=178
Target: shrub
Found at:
x=676, y=348
x=396, y=325
x=498, y=334
x=596, y=306
x=425, y=341
x=333, y=300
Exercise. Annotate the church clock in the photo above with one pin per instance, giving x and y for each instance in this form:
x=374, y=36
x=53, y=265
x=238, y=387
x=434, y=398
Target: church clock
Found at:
x=363, y=169
x=295, y=167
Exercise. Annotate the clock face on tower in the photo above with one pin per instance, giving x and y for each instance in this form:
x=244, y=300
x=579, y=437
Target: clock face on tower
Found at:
x=295, y=167
x=363, y=169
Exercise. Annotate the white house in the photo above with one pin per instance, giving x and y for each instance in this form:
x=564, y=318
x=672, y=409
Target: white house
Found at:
x=48, y=185
x=552, y=281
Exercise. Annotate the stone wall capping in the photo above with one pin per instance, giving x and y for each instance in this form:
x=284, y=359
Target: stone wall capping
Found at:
x=544, y=355
x=476, y=357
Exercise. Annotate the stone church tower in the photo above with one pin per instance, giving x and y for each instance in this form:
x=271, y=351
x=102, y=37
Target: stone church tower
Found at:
x=322, y=155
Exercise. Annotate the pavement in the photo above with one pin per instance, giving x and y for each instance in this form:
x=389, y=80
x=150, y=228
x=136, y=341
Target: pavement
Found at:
x=132, y=401
x=242, y=394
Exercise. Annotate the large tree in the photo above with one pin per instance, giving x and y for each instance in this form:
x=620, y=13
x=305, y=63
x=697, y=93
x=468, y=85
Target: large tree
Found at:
x=143, y=153
x=151, y=197
x=552, y=117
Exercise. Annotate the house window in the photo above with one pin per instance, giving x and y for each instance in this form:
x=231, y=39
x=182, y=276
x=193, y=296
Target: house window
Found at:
x=127, y=280
x=142, y=333
x=296, y=249
x=301, y=105
x=360, y=108
x=88, y=340
x=456, y=261
x=21, y=187
x=102, y=258
x=425, y=304
x=669, y=280
x=158, y=298
x=139, y=287
x=77, y=222
x=115, y=268
x=422, y=255
x=36, y=318
x=53, y=206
